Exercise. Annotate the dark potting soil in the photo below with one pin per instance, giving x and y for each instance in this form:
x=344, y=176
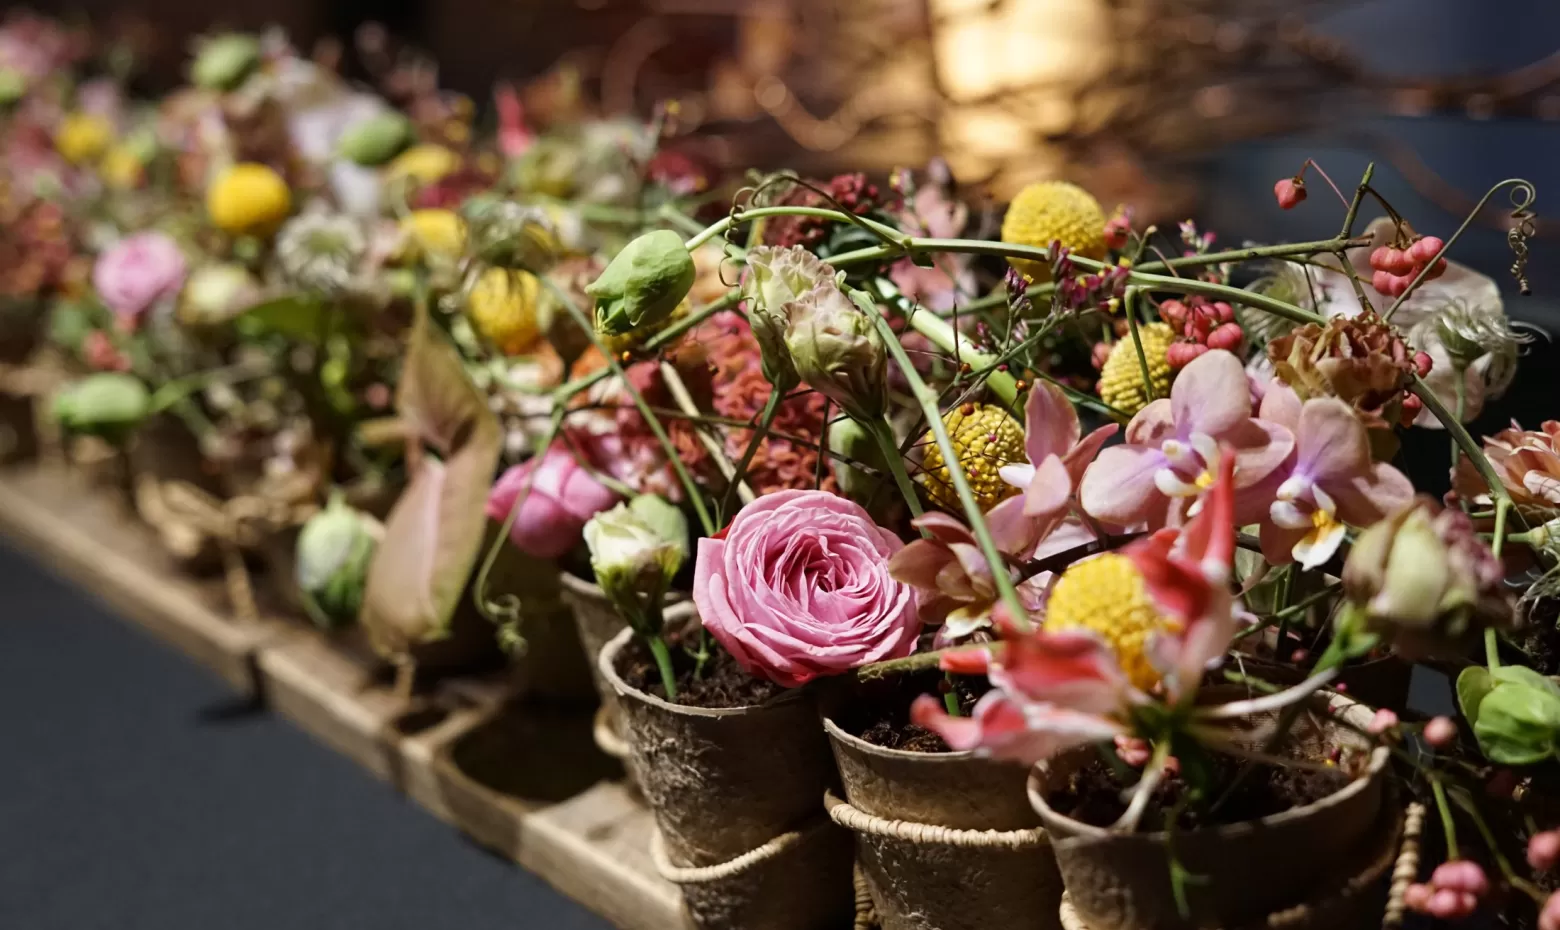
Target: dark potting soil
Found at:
x=1094, y=794
x=878, y=710
x=1540, y=637
x=722, y=683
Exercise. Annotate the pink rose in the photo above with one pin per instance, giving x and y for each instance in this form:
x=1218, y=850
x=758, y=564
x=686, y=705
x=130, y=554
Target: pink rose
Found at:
x=137, y=272
x=553, y=514
x=800, y=587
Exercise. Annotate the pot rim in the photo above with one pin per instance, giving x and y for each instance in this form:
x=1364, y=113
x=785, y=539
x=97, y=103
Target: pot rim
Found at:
x=606, y=664
x=951, y=757
x=1379, y=757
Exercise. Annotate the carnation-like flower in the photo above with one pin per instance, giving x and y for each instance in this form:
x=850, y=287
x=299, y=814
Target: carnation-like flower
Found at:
x=633, y=561
x=1172, y=451
x=838, y=351
x=800, y=588
x=1330, y=481
x=1528, y=465
x=556, y=496
x=137, y=272
x=1054, y=211
x=320, y=251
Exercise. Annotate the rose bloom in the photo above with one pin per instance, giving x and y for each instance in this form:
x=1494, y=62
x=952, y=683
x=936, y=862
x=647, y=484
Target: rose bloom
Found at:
x=563, y=496
x=800, y=588
x=136, y=272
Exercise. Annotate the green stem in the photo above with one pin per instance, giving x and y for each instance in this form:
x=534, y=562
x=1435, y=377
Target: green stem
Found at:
x=1354, y=205
x=663, y=662
x=894, y=460
x=1446, y=246
x=1463, y=439
x=1129, y=307
x=1446, y=817
x=927, y=398
x=945, y=337
x=1267, y=251
x=887, y=233
x=950, y=697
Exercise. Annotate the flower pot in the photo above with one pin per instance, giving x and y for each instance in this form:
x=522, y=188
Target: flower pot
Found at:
x=735, y=793
x=945, y=841
x=1251, y=871
x=1379, y=682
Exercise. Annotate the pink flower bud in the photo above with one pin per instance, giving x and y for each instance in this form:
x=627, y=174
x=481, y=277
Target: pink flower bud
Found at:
x=1173, y=312
x=1422, y=364
x=1289, y=192
x=1383, y=721
x=1549, y=917
x=1181, y=354
x=1544, y=850
x=1118, y=230
x=1227, y=337
x=1440, y=732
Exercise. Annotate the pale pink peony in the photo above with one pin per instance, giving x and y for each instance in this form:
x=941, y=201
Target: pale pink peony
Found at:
x=136, y=272
x=800, y=588
x=562, y=497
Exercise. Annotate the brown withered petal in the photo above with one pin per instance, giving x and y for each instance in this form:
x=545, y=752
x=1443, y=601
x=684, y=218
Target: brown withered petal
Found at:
x=1362, y=361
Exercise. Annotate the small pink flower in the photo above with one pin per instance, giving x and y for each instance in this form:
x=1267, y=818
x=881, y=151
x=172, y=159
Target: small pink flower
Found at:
x=1543, y=850
x=562, y=497
x=800, y=588
x=1118, y=231
x=1440, y=732
x=136, y=272
x=1383, y=721
x=1452, y=893
x=1328, y=482
x=1133, y=751
x=1172, y=451
x=1058, y=455
x=1549, y=917
x=1289, y=192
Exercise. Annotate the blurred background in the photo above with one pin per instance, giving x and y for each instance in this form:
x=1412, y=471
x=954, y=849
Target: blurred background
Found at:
x=1181, y=108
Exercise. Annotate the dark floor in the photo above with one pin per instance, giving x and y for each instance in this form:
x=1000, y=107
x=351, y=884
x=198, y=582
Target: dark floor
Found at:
x=134, y=794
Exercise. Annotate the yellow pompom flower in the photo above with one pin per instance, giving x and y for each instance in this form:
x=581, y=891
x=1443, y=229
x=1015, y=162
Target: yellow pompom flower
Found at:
x=1107, y=596
x=83, y=137
x=122, y=168
x=1050, y=211
x=502, y=309
x=986, y=439
x=248, y=199
x=434, y=233
x=425, y=164
x=1121, y=380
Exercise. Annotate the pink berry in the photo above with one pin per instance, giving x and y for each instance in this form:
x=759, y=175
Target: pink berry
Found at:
x=1436, y=270
x=1425, y=249
x=1445, y=904
x=1544, y=850
x=1383, y=721
x=1117, y=231
x=1228, y=337
x=1382, y=281
x=1422, y=364
x=1342, y=687
x=1417, y=897
x=1398, y=262
x=1378, y=258
x=1299, y=656
x=1225, y=312
x=1289, y=192
x=1181, y=354
x=1397, y=285
x=1440, y=732
x=1463, y=875
x=1549, y=917
x=1099, y=354
x=1173, y=312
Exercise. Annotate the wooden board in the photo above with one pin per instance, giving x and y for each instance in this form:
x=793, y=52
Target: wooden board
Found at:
x=524, y=781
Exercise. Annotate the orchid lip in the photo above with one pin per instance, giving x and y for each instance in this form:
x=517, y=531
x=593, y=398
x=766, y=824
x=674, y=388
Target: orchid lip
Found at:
x=1172, y=485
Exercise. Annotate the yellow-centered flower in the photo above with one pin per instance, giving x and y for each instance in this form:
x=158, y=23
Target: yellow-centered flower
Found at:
x=83, y=137
x=502, y=308
x=1107, y=596
x=986, y=439
x=1050, y=211
x=248, y=199
x=1121, y=380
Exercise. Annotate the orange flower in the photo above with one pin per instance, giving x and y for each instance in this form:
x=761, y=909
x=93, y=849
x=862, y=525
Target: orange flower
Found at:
x=1528, y=464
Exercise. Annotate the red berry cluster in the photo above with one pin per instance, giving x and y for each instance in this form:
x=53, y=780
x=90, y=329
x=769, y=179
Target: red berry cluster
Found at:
x=1205, y=324
x=1396, y=269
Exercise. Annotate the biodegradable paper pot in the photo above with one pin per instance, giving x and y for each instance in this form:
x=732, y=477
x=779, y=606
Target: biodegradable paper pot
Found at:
x=1252, y=870
x=736, y=793
x=597, y=622
x=945, y=841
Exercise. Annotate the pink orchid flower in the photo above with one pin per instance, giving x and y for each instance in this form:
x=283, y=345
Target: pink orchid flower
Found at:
x=958, y=589
x=1058, y=455
x=1056, y=690
x=1172, y=451
x=1329, y=482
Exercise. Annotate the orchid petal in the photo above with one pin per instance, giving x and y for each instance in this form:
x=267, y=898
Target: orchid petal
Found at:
x=1332, y=440
x=1018, y=476
x=1072, y=668
x=1050, y=491
x=1211, y=394
x=1050, y=423
x=1317, y=546
x=1118, y=488
x=1151, y=425
x=1289, y=516
x=1281, y=405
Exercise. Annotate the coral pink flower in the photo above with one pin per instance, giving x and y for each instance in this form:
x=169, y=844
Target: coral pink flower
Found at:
x=800, y=588
x=1058, y=455
x=1056, y=690
x=1328, y=482
x=1172, y=451
x=956, y=584
x=136, y=272
x=562, y=497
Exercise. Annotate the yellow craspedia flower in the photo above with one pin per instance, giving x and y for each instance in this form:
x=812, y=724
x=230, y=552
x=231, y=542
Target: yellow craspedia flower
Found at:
x=502, y=309
x=1121, y=380
x=618, y=343
x=1050, y=211
x=424, y=164
x=434, y=233
x=1106, y=596
x=83, y=137
x=122, y=168
x=248, y=199
x=986, y=439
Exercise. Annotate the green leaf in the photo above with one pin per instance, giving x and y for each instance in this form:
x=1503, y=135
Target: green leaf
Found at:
x=1522, y=675
x=1472, y=686
x=297, y=316
x=1518, y=723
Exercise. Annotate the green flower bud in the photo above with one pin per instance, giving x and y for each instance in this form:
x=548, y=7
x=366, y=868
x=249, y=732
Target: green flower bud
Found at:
x=376, y=139
x=215, y=294
x=223, y=62
x=13, y=86
x=634, y=564
x=643, y=284
x=850, y=439
x=334, y=551
x=837, y=350
x=666, y=518
x=108, y=404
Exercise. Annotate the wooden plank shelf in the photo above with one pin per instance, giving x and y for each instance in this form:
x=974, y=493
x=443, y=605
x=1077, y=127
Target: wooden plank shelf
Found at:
x=524, y=780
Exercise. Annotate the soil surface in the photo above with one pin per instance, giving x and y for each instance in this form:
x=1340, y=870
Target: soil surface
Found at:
x=1540, y=638
x=1094, y=794
x=722, y=683
x=879, y=710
